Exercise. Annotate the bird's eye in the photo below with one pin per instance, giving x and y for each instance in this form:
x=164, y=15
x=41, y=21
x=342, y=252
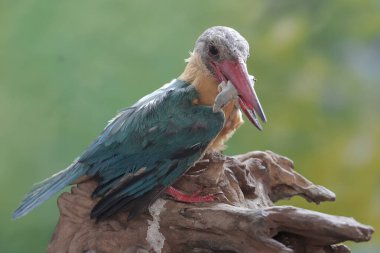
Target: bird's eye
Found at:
x=213, y=50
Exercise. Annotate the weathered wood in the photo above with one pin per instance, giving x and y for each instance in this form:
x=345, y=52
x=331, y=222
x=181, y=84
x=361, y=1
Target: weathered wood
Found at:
x=243, y=219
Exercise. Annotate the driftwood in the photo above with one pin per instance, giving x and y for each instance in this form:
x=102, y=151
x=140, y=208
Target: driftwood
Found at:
x=243, y=219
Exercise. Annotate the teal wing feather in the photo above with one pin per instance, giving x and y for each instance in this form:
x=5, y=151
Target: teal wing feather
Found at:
x=149, y=146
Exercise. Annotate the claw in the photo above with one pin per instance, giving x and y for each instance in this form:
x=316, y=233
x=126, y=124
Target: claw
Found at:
x=193, y=198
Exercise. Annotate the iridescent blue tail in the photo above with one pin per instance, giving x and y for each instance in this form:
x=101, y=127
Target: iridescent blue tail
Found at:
x=45, y=189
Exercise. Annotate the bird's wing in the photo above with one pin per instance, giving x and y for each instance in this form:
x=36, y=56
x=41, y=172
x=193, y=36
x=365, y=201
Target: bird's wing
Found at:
x=148, y=146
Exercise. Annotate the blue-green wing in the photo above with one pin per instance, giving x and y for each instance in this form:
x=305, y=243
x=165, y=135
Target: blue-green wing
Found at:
x=149, y=146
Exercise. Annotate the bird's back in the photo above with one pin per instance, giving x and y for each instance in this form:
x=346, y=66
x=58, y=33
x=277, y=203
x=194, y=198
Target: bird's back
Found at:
x=144, y=149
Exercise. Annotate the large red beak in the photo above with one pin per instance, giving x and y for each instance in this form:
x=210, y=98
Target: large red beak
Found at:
x=236, y=72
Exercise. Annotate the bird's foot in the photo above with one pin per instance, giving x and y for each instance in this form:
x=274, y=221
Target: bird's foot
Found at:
x=193, y=198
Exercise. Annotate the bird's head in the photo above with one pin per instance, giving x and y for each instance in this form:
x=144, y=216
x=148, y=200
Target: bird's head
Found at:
x=224, y=52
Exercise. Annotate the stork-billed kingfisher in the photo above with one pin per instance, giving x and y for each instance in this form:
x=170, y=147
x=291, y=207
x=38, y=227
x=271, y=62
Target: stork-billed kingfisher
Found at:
x=148, y=146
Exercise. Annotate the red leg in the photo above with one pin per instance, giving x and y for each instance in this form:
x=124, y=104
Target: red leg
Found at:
x=183, y=197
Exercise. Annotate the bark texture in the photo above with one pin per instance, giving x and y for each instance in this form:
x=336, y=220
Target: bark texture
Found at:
x=243, y=219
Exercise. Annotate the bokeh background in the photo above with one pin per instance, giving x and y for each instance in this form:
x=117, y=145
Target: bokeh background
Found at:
x=66, y=67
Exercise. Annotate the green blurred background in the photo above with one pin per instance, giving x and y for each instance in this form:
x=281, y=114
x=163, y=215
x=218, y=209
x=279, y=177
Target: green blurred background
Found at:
x=67, y=66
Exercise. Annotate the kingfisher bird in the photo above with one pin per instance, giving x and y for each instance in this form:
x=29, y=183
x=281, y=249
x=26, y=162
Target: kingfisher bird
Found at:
x=148, y=146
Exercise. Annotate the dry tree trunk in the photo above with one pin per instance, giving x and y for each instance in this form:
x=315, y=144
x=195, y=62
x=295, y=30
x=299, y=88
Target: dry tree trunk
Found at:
x=243, y=219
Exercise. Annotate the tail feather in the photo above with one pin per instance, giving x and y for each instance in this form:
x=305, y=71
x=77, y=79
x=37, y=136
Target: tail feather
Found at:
x=45, y=189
